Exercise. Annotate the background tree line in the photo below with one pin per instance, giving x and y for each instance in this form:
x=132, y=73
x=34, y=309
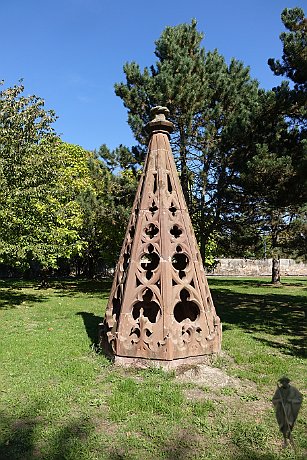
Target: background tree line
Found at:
x=240, y=152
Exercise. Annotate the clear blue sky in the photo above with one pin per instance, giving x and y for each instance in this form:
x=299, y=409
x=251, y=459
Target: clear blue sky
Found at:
x=71, y=52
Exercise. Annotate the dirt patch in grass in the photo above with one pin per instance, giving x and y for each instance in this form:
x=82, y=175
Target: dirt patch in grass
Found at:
x=194, y=394
x=211, y=383
x=208, y=376
x=105, y=426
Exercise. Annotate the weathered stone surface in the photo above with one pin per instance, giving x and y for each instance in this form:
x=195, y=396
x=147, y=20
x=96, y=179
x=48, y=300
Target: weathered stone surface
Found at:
x=160, y=307
x=258, y=267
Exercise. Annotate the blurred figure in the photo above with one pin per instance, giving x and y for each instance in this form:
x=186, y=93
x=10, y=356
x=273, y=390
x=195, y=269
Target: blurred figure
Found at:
x=287, y=401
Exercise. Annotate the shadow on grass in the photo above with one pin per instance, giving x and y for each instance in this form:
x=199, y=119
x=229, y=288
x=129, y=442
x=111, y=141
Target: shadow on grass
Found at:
x=17, y=283
x=65, y=284
x=191, y=446
x=73, y=287
x=278, y=314
x=99, y=343
x=91, y=324
x=11, y=299
x=238, y=282
x=257, y=282
x=29, y=438
x=23, y=442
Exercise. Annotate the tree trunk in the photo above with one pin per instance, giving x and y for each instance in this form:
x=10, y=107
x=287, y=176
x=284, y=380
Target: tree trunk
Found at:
x=275, y=270
x=202, y=226
x=184, y=179
x=90, y=267
x=202, y=244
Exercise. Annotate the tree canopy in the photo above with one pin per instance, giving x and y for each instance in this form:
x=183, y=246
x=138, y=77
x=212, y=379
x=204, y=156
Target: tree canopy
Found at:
x=210, y=104
x=241, y=154
x=293, y=64
x=226, y=129
x=47, y=189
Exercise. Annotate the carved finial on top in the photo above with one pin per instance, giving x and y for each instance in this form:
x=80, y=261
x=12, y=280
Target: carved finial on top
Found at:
x=159, y=123
x=159, y=113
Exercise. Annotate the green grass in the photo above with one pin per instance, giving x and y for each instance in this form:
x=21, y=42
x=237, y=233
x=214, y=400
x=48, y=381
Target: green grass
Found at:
x=60, y=399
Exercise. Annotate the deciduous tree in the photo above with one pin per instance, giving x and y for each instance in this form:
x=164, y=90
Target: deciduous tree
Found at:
x=41, y=178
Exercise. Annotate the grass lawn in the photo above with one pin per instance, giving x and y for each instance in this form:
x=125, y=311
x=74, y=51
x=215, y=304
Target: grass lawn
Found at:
x=60, y=399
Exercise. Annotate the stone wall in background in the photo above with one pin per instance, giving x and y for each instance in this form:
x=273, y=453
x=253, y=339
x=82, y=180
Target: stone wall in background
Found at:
x=259, y=267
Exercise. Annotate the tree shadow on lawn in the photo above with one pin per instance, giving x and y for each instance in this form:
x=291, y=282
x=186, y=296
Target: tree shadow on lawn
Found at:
x=24, y=438
x=257, y=282
x=18, y=284
x=73, y=287
x=13, y=299
x=182, y=446
x=276, y=314
x=20, y=438
x=187, y=445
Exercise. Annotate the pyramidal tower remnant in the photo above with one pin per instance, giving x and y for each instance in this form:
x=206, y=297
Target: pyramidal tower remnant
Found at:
x=160, y=308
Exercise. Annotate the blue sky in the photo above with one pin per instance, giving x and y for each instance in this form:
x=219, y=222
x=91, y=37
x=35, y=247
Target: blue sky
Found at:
x=71, y=52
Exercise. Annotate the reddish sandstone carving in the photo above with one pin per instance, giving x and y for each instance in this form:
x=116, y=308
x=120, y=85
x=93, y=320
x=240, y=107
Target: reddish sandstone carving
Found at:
x=160, y=307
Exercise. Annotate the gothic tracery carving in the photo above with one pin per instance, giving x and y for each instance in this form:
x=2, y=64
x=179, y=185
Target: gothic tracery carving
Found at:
x=160, y=305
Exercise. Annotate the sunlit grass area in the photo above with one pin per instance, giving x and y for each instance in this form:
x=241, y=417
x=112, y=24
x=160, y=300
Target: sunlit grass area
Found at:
x=61, y=399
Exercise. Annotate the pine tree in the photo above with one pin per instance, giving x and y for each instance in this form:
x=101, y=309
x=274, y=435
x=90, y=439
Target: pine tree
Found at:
x=210, y=104
x=294, y=59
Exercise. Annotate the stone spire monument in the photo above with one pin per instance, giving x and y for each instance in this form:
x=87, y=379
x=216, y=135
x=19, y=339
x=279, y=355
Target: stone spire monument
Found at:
x=160, y=310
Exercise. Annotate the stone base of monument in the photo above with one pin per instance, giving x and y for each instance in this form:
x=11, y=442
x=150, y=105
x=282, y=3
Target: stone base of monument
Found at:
x=142, y=363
